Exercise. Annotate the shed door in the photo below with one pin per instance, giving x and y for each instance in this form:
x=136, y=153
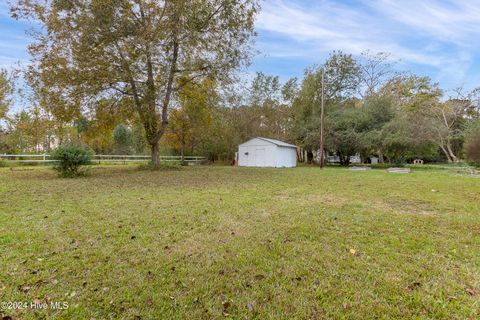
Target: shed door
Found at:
x=260, y=157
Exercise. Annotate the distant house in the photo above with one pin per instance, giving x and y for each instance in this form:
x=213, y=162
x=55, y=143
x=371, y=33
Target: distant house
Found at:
x=264, y=152
x=355, y=159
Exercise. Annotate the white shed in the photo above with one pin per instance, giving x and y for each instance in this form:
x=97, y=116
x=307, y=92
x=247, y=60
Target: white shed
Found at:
x=263, y=152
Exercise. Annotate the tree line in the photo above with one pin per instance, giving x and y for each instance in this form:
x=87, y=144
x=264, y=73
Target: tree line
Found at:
x=138, y=77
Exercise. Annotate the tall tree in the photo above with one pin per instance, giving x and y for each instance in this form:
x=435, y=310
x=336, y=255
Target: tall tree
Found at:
x=192, y=117
x=376, y=70
x=133, y=49
x=342, y=74
x=6, y=90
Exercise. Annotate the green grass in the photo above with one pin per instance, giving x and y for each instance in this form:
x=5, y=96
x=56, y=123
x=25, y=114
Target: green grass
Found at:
x=240, y=243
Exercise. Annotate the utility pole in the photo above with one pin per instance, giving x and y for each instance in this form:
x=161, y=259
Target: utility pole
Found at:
x=322, y=123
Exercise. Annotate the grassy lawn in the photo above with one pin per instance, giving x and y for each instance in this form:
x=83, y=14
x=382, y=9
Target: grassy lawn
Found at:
x=241, y=243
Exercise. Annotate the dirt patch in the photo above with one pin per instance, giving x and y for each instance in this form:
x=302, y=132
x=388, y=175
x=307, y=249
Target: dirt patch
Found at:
x=407, y=206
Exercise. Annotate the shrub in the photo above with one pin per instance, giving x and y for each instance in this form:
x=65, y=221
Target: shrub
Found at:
x=123, y=139
x=472, y=148
x=70, y=158
x=472, y=145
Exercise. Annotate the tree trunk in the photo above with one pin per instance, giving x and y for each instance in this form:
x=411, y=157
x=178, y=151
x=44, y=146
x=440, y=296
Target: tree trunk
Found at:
x=452, y=154
x=449, y=159
x=309, y=156
x=300, y=155
x=380, y=156
x=155, y=154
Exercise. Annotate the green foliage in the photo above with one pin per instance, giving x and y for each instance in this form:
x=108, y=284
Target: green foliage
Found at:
x=122, y=140
x=472, y=143
x=70, y=158
x=6, y=90
x=140, y=145
x=170, y=41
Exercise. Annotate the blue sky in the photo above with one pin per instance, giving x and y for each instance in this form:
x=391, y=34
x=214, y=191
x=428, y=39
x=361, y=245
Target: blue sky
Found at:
x=437, y=38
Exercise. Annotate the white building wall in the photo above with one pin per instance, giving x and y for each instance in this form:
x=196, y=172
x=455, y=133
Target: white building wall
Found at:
x=257, y=153
x=261, y=153
x=286, y=157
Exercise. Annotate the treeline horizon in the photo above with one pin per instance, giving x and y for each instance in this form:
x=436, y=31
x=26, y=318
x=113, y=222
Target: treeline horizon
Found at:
x=371, y=110
x=156, y=77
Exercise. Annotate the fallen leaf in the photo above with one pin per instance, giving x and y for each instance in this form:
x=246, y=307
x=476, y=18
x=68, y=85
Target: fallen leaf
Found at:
x=353, y=251
x=471, y=291
x=225, y=305
x=414, y=285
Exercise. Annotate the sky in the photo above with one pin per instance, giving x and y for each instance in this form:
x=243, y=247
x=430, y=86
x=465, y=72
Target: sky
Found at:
x=435, y=38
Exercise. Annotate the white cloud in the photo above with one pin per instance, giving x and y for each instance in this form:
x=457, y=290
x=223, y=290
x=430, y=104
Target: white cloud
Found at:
x=455, y=21
x=437, y=34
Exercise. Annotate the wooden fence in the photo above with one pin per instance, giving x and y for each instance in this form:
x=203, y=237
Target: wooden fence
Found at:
x=98, y=158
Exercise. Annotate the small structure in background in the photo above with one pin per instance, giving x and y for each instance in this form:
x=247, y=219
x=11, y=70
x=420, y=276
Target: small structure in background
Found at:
x=360, y=168
x=355, y=159
x=418, y=161
x=374, y=160
x=399, y=170
x=264, y=152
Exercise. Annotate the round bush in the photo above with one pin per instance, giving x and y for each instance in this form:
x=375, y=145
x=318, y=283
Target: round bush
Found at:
x=472, y=148
x=70, y=157
x=472, y=144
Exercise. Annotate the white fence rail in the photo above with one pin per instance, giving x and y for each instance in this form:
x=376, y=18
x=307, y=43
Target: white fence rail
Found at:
x=98, y=158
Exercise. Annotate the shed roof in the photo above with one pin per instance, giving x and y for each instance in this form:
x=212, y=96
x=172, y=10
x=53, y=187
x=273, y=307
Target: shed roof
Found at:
x=276, y=142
